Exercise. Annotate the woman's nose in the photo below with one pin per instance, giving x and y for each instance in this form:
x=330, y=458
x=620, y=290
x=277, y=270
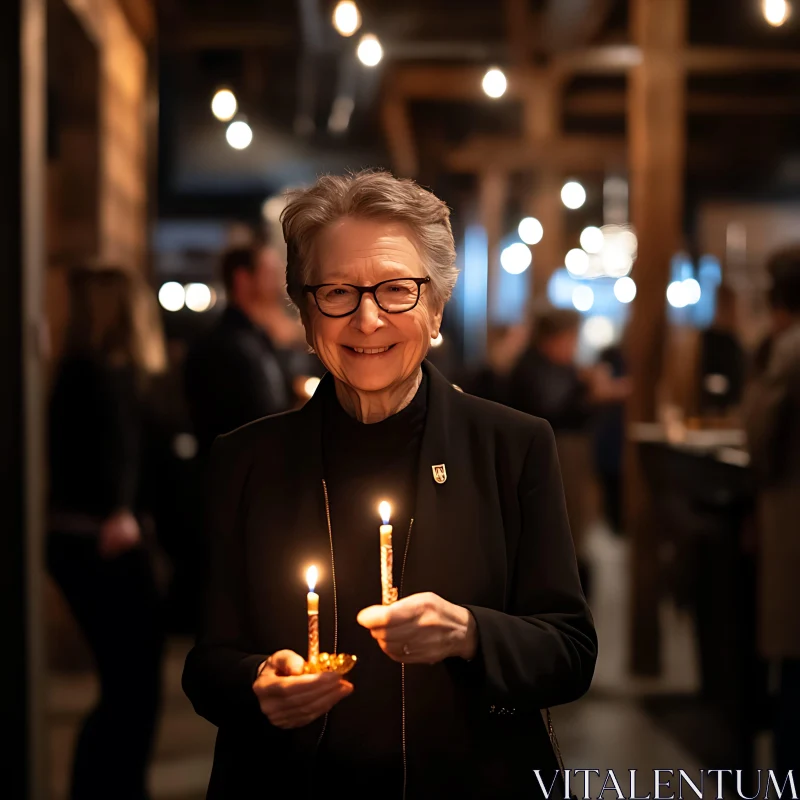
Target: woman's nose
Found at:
x=367, y=318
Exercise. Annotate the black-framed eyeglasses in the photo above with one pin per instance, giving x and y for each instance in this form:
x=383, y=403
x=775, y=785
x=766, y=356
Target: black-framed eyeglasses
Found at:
x=394, y=296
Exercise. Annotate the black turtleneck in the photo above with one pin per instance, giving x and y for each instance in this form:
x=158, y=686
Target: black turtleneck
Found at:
x=365, y=464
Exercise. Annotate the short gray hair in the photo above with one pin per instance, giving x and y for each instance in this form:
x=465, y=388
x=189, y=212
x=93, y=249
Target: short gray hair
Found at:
x=374, y=195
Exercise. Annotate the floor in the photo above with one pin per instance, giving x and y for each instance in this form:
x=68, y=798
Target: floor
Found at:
x=605, y=730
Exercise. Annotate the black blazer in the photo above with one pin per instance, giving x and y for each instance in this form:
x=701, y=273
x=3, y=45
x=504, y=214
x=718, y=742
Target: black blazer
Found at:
x=493, y=537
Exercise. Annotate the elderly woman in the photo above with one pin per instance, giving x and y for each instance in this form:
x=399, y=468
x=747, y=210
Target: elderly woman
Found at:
x=491, y=625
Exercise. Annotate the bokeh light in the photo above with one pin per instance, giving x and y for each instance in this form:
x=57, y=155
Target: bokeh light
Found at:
x=582, y=298
x=530, y=230
x=198, y=297
x=691, y=291
x=577, y=262
x=495, y=83
x=172, y=296
x=776, y=12
x=224, y=105
x=676, y=294
x=592, y=239
x=516, y=258
x=625, y=289
x=598, y=332
x=573, y=195
x=239, y=135
x=346, y=17
x=369, y=50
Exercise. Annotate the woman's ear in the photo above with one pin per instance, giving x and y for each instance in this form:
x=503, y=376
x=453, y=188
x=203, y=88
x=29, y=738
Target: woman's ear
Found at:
x=436, y=322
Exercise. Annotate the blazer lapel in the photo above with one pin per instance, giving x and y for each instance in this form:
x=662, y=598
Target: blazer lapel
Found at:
x=426, y=544
x=456, y=548
x=291, y=536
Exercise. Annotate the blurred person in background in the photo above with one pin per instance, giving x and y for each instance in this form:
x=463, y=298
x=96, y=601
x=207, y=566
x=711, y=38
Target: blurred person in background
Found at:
x=491, y=615
x=96, y=552
x=772, y=421
x=721, y=359
x=490, y=380
x=237, y=373
x=547, y=383
x=609, y=440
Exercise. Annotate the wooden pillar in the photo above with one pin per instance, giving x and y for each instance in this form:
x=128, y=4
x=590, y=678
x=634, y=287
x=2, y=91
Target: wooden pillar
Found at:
x=546, y=206
x=656, y=124
x=542, y=121
x=493, y=188
x=22, y=151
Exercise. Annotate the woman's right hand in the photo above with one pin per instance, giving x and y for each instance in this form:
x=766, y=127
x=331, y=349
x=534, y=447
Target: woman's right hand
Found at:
x=290, y=699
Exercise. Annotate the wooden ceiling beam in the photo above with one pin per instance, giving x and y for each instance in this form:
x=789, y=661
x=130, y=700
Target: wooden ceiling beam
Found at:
x=203, y=36
x=729, y=59
x=442, y=82
x=610, y=103
x=518, y=26
x=141, y=16
x=397, y=129
x=571, y=24
x=511, y=154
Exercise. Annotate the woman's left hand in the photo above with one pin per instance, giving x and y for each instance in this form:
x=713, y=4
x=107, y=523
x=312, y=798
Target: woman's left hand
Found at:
x=422, y=629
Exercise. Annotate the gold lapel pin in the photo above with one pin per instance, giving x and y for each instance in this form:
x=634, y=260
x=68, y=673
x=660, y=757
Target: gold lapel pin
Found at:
x=439, y=473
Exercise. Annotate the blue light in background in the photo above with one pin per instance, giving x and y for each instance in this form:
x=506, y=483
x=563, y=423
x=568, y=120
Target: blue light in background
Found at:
x=709, y=275
x=511, y=297
x=476, y=274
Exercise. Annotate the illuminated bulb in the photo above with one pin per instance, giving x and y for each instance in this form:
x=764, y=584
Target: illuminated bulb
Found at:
x=239, y=135
x=530, y=230
x=385, y=510
x=599, y=332
x=369, y=50
x=691, y=291
x=616, y=262
x=223, y=105
x=172, y=296
x=776, y=12
x=516, y=258
x=437, y=341
x=310, y=386
x=495, y=83
x=628, y=241
x=311, y=578
x=582, y=298
x=573, y=195
x=577, y=262
x=676, y=294
x=625, y=290
x=198, y=297
x=592, y=239
x=346, y=18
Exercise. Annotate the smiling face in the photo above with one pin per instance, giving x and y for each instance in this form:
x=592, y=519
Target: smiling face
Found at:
x=370, y=350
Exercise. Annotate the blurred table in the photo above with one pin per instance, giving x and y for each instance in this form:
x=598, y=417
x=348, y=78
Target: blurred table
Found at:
x=703, y=501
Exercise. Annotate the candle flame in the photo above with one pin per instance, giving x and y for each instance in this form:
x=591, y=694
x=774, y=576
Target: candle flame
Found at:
x=311, y=578
x=385, y=510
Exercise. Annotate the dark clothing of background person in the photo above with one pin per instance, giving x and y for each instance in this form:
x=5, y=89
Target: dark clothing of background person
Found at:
x=233, y=376
x=95, y=432
x=720, y=354
x=609, y=440
x=494, y=537
x=555, y=392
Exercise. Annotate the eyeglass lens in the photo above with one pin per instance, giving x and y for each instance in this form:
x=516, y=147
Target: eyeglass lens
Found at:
x=393, y=296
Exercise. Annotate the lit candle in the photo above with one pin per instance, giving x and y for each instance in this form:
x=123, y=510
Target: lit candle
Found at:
x=313, y=616
x=388, y=591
